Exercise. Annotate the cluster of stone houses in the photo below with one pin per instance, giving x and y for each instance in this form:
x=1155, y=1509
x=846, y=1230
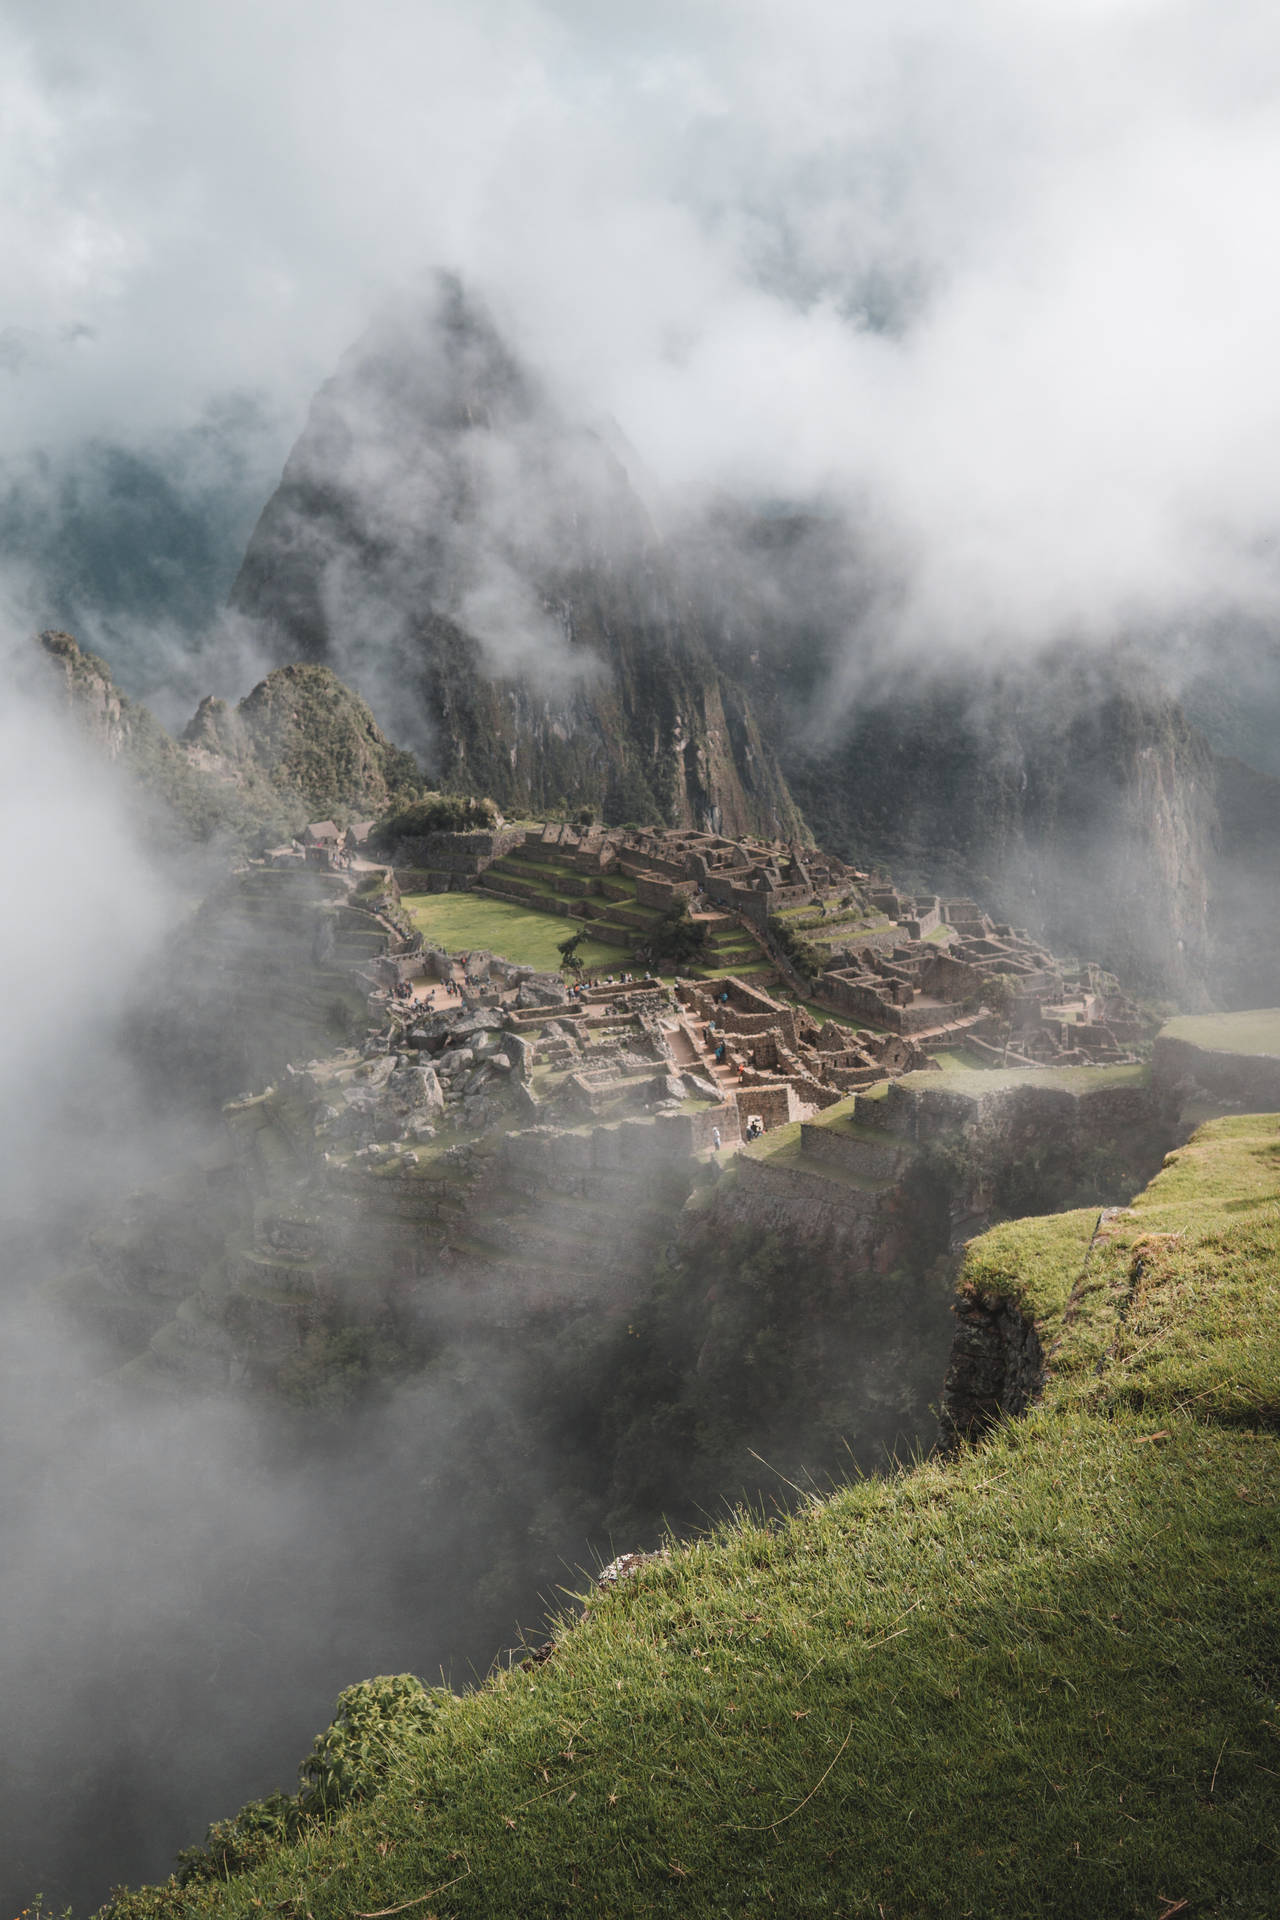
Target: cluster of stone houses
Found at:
x=323, y=844
x=727, y=1050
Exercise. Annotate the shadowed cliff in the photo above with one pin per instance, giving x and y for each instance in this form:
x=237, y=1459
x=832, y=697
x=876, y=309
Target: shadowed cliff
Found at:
x=484, y=572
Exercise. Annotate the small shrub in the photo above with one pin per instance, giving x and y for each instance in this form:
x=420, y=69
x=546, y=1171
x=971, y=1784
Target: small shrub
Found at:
x=372, y=1731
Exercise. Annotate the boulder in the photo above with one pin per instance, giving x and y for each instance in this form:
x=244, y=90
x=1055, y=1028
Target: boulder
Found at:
x=519, y=1052
x=422, y=1089
x=694, y=1083
x=530, y=996
x=455, y=1021
x=376, y=1073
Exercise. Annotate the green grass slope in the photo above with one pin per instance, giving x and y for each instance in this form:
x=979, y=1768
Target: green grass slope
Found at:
x=1039, y=1679
x=1257, y=1031
x=458, y=921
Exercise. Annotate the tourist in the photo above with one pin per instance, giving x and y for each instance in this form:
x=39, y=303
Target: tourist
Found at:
x=715, y=1139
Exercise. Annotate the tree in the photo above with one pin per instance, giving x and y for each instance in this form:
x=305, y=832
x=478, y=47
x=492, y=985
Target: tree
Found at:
x=568, y=950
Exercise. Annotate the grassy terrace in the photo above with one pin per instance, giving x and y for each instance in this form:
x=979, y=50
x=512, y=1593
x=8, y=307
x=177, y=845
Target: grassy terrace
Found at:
x=977, y=1081
x=1254, y=1032
x=461, y=920
x=1038, y=1680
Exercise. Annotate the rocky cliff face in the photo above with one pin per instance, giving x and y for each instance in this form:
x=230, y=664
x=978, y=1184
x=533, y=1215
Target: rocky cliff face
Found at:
x=301, y=746
x=85, y=689
x=483, y=570
x=1076, y=802
x=1069, y=794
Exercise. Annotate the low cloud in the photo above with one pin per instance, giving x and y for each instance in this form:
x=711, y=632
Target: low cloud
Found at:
x=994, y=284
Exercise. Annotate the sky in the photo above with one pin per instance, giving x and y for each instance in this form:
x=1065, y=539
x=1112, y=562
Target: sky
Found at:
x=995, y=277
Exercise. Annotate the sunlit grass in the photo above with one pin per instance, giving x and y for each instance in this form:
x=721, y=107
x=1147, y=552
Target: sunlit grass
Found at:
x=1037, y=1680
x=1257, y=1031
x=459, y=921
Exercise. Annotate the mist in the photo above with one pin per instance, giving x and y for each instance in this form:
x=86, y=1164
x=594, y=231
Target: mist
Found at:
x=193, y=1568
x=983, y=298
x=995, y=284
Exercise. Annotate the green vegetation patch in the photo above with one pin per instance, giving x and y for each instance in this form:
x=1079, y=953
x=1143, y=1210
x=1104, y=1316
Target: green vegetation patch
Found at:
x=1027, y=1684
x=1035, y=1263
x=785, y=1138
x=1038, y=1679
x=982, y=1080
x=458, y=921
x=1257, y=1031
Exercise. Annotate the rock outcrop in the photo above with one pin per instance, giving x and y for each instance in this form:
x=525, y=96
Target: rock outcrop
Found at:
x=308, y=739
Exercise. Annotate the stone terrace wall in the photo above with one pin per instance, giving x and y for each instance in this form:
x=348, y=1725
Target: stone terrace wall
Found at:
x=773, y=1104
x=457, y=853
x=726, y=1117
x=654, y=892
x=861, y=1002
x=948, y=979
x=636, y=865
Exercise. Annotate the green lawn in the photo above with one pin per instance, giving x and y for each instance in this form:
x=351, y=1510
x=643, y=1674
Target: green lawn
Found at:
x=960, y=1060
x=457, y=921
x=980, y=1080
x=1257, y=1031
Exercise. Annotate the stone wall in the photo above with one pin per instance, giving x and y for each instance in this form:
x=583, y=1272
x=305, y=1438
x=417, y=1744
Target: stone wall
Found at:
x=725, y=1117
x=860, y=1002
x=463, y=854
x=996, y=1368
x=924, y=919
x=808, y=1206
x=773, y=1104
x=948, y=979
x=651, y=891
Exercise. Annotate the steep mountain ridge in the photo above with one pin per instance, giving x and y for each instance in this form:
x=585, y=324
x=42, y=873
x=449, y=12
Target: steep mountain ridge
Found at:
x=1069, y=790
x=1082, y=805
x=311, y=739
x=299, y=747
x=483, y=570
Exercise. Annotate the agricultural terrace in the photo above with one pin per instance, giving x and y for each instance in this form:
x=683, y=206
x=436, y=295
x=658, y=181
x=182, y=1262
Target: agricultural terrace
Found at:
x=459, y=922
x=1257, y=1031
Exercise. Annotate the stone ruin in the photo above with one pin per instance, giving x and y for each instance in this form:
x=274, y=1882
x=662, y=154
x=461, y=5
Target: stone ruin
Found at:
x=775, y=1060
x=1045, y=1014
x=725, y=1056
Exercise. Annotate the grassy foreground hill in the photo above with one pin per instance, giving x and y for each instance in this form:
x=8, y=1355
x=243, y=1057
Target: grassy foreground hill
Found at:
x=1037, y=1679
